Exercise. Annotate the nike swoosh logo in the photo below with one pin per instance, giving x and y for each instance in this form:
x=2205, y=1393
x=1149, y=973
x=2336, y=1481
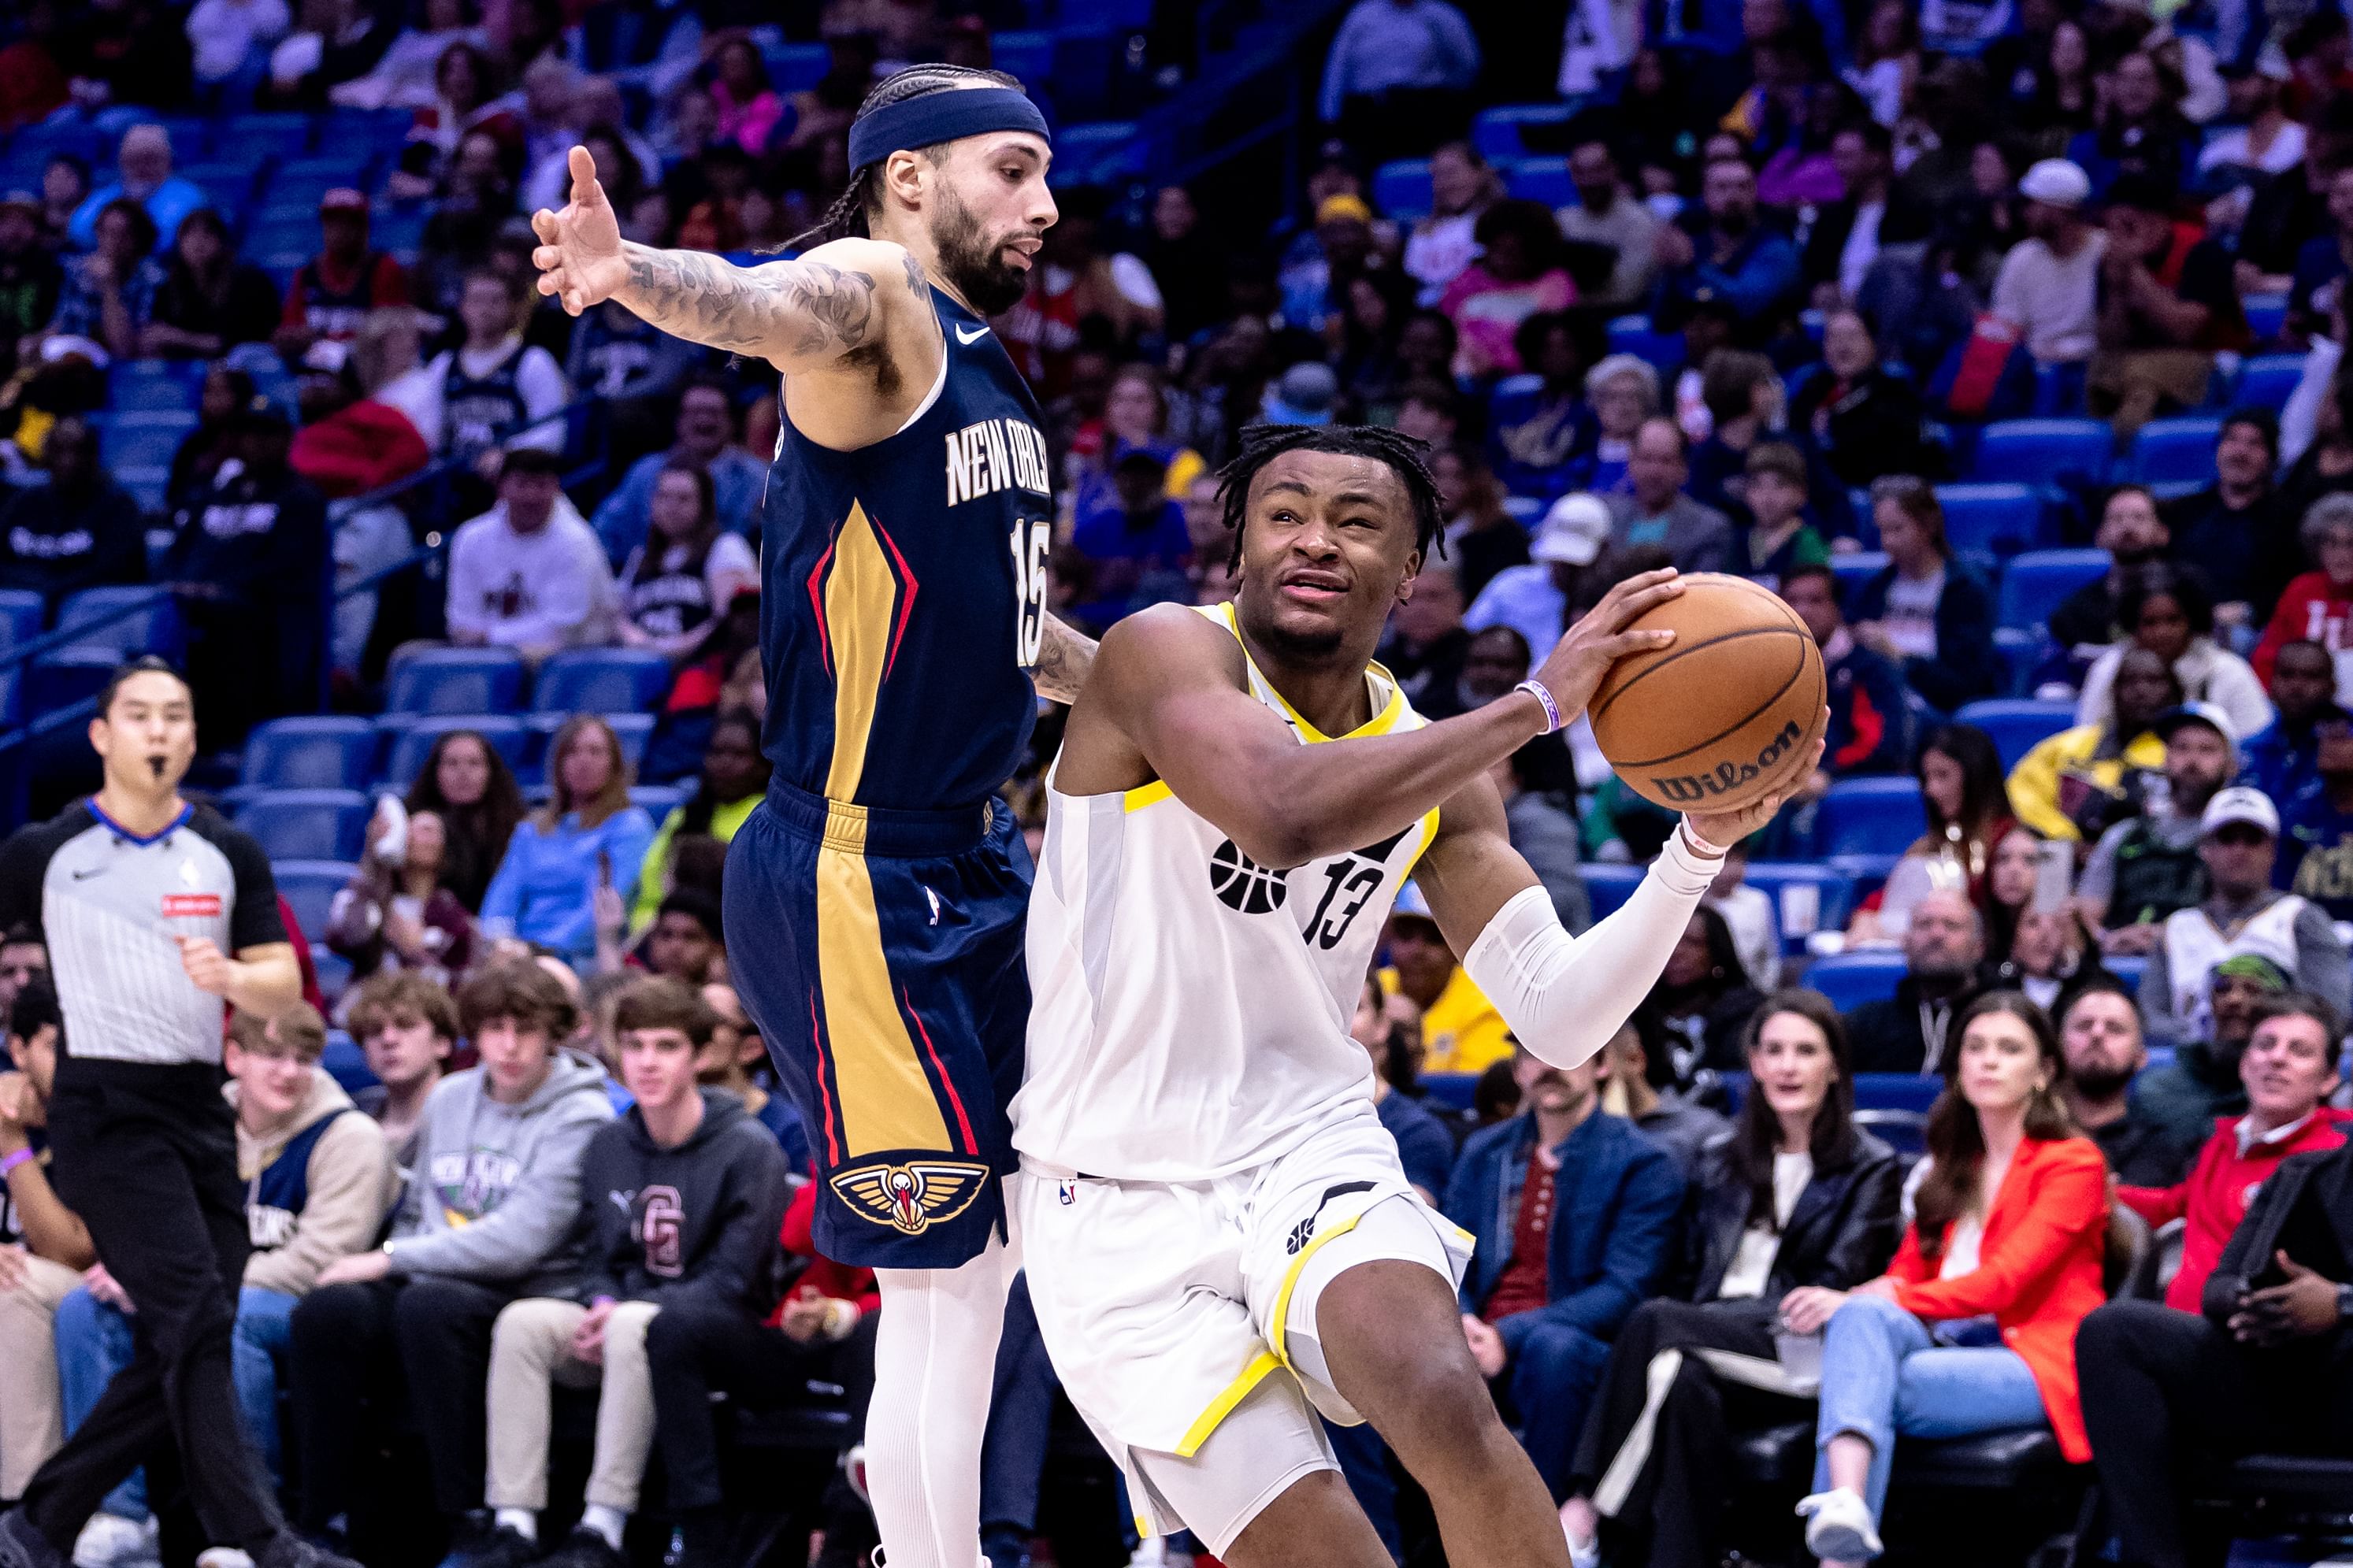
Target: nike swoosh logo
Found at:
x=968, y=339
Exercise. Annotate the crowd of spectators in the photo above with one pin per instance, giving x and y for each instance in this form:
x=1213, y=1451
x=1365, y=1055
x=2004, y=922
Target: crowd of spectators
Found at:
x=1804, y=255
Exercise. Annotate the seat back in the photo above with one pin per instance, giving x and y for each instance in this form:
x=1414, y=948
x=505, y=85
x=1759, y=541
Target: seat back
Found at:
x=2035, y=583
x=1870, y=817
x=2017, y=725
x=307, y=824
x=2041, y=452
x=1852, y=979
x=309, y=888
x=412, y=743
x=151, y=625
x=455, y=680
x=323, y=751
x=600, y=680
x=2177, y=451
x=2003, y=519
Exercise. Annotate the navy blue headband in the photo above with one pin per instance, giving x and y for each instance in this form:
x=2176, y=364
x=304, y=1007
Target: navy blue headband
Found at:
x=937, y=117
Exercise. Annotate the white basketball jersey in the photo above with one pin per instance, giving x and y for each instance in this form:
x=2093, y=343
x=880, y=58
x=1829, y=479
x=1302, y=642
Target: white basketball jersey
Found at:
x=1190, y=1006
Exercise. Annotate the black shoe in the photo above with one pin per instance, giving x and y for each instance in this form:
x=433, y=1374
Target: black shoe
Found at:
x=503, y=1547
x=584, y=1548
x=24, y=1546
x=289, y=1550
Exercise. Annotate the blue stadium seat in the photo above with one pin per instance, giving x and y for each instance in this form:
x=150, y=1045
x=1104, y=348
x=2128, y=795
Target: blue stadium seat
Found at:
x=345, y=1062
x=1030, y=55
x=455, y=680
x=1856, y=568
x=307, y=824
x=2034, y=585
x=796, y=67
x=2128, y=969
x=397, y=228
x=2266, y=381
x=2017, y=724
x=21, y=611
x=1790, y=883
x=1634, y=335
x=1608, y=886
x=1449, y=1090
x=412, y=743
x=1854, y=978
x=658, y=801
x=145, y=440
x=334, y=973
x=1499, y=133
x=286, y=135
x=309, y=888
x=1896, y=1090
x=66, y=675
x=1542, y=180
x=2177, y=451
x=600, y=680
x=150, y=385
x=153, y=628
x=2043, y=451
x=311, y=752
x=1870, y=817
x=2023, y=653
x=2266, y=314
x=1401, y=188
x=2002, y=517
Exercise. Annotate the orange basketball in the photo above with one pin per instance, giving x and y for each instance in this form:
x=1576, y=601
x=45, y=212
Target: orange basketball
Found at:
x=1704, y=723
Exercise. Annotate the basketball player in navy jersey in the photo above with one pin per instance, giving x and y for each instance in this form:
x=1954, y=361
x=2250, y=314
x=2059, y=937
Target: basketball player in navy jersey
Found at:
x=874, y=902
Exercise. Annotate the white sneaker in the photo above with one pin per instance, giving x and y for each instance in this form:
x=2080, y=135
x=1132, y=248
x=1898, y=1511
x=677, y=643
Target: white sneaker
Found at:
x=222, y=1557
x=111, y=1541
x=1583, y=1554
x=1151, y=1551
x=1839, y=1527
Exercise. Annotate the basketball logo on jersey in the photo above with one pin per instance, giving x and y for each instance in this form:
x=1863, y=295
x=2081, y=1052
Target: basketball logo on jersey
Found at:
x=912, y=1197
x=1241, y=883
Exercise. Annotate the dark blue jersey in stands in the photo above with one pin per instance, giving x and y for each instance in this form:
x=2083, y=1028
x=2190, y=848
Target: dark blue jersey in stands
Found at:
x=904, y=592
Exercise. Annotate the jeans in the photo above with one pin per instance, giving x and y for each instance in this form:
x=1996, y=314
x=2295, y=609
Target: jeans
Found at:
x=1882, y=1375
x=93, y=1344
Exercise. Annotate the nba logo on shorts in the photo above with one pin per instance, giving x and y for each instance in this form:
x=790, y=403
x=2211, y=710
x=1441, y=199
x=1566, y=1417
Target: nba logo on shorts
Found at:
x=1068, y=1191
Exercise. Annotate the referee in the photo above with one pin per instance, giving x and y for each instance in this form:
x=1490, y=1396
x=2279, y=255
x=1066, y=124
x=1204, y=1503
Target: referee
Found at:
x=143, y=898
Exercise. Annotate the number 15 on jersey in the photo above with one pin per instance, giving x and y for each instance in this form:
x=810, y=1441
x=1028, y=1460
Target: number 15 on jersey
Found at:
x=1029, y=541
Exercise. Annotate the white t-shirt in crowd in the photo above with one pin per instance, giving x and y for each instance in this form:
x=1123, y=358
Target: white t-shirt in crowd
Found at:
x=537, y=591
x=2054, y=301
x=1911, y=617
x=1752, y=1262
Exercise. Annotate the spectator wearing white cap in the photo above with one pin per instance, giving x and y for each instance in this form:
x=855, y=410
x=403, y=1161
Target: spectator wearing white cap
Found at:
x=1535, y=600
x=2145, y=868
x=2242, y=913
x=2049, y=284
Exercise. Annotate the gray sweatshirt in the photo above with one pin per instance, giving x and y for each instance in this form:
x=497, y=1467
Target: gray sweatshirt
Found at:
x=496, y=1196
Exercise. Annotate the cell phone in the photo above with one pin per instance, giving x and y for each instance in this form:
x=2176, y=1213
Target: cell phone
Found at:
x=604, y=868
x=2055, y=877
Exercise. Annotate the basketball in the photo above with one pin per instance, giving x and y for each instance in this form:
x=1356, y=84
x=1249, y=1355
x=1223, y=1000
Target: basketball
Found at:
x=1704, y=723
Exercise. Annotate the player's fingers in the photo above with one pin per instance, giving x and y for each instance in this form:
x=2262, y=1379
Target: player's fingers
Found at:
x=1644, y=586
x=584, y=189
x=1618, y=645
x=543, y=223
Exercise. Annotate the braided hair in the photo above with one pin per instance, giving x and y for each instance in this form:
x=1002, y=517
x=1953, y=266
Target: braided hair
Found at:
x=1406, y=455
x=847, y=217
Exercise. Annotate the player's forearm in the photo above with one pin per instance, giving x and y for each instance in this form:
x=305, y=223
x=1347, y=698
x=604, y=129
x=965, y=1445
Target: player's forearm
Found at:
x=1566, y=996
x=1065, y=654
x=1324, y=800
x=264, y=984
x=781, y=311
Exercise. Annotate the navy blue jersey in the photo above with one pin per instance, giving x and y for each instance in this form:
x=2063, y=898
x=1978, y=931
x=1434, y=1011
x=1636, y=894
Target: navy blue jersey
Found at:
x=904, y=592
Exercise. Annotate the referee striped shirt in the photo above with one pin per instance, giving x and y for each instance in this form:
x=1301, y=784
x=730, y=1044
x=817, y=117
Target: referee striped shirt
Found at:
x=110, y=902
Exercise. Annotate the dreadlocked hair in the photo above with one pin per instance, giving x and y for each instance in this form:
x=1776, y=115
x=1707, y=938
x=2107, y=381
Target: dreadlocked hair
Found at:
x=847, y=217
x=1405, y=455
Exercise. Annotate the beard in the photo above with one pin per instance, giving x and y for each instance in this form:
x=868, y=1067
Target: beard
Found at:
x=973, y=268
x=2100, y=1082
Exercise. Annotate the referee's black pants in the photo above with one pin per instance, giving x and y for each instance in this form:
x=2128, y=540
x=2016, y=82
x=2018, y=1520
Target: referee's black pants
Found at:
x=357, y=1348
x=146, y=1154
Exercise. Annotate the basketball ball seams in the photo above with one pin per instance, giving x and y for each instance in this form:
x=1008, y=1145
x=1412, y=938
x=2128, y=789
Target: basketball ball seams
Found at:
x=1666, y=659
x=1730, y=729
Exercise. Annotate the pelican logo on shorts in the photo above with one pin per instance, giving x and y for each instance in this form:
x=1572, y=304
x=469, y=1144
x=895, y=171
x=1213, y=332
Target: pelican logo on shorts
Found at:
x=1694, y=789
x=1241, y=883
x=912, y=1197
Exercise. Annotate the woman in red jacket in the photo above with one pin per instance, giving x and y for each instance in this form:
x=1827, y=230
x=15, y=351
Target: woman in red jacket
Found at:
x=2010, y=1223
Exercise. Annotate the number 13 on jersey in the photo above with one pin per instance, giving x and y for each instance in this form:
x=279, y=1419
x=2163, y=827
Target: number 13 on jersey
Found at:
x=1029, y=541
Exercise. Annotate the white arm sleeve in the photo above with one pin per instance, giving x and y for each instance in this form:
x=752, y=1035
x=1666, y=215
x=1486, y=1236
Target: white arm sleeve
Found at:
x=1565, y=997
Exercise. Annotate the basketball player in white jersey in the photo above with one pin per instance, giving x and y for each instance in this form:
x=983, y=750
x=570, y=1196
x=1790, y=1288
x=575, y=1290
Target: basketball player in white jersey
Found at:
x=1220, y=1239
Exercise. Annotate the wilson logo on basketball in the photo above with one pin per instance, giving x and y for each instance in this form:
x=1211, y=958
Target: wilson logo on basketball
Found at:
x=1689, y=789
x=1241, y=883
x=205, y=905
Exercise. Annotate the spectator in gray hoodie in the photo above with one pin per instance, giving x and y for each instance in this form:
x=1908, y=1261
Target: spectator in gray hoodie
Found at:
x=682, y=1197
x=492, y=1215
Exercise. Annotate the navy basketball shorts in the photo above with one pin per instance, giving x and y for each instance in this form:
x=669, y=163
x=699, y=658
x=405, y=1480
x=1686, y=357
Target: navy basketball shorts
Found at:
x=881, y=954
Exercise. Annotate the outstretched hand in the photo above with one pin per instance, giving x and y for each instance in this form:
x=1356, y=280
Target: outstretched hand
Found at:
x=579, y=252
x=1726, y=829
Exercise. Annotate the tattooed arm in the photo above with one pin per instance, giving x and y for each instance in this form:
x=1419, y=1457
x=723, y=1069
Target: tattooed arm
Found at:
x=1065, y=657
x=800, y=315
